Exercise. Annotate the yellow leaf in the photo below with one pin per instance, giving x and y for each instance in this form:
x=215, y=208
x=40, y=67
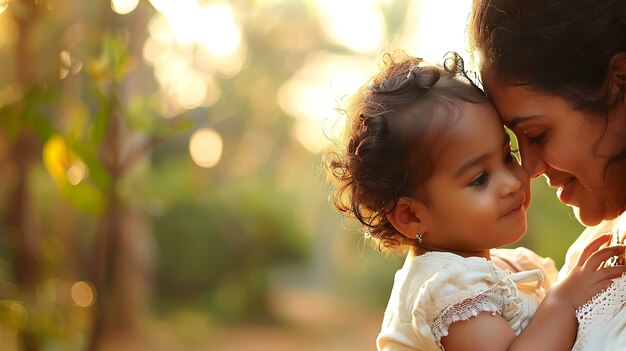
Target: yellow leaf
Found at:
x=57, y=158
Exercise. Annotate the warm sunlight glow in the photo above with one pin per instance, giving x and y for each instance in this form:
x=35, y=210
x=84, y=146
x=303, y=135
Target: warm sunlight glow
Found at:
x=160, y=29
x=212, y=25
x=436, y=27
x=183, y=16
x=355, y=24
x=213, y=91
x=124, y=7
x=83, y=294
x=220, y=34
x=190, y=44
x=190, y=90
x=228, y=67
x=4, y=4
x=168, y=74
x=314, y=93
x=186, y=87
x=205, y=147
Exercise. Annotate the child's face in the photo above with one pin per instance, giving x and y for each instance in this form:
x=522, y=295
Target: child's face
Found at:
x=478, y=193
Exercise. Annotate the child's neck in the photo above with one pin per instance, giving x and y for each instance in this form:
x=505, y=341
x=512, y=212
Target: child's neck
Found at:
x=420, y=250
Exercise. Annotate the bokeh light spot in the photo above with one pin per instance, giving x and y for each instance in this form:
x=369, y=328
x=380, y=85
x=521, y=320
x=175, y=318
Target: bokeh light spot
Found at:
x=76, y=173
x=124, y=7
x=205, y=147
x=83, y=294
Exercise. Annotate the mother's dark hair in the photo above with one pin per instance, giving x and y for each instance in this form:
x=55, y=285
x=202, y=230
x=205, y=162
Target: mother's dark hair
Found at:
x=561, y=47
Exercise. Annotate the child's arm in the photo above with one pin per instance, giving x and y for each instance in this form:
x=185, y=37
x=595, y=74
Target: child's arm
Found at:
x=554, y=325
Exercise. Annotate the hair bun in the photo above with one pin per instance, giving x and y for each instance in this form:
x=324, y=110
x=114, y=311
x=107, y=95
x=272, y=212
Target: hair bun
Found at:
x=391, y=84
x=423, y=77
x=420, y=78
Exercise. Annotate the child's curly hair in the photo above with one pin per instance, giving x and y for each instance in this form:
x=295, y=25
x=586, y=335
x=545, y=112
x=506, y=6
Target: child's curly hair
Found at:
x=393, y=137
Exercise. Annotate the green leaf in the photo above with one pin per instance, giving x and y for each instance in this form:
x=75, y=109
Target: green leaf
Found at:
x=98, y=128
x=113, y=63
x=81, y=191
x=140, y=116
x=85, y=197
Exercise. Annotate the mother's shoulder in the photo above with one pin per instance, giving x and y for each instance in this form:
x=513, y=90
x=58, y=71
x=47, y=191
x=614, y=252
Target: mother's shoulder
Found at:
x=590, y=233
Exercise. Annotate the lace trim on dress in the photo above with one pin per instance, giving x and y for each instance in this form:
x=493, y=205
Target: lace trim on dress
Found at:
x=488, y=301
x=598, y=312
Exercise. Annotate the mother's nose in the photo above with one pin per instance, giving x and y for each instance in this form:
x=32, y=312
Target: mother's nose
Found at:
x=532, y=161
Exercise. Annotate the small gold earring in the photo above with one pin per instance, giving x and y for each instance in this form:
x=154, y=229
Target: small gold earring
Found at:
x=418, y=237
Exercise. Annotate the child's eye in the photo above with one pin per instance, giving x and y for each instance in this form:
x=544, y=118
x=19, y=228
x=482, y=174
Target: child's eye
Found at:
x=480, y=182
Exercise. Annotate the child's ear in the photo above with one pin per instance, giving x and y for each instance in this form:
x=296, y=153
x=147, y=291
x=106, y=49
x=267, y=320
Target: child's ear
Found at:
x=408, y=217
x=616, y=79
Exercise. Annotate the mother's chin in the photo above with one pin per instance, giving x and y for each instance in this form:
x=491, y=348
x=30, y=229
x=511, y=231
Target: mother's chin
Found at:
x=594, y=215
x=584, y=219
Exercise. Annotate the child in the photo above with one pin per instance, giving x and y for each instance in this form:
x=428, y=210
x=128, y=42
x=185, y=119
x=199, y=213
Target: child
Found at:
x=427, y=165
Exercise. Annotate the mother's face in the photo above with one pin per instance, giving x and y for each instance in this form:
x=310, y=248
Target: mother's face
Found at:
x=571, y=148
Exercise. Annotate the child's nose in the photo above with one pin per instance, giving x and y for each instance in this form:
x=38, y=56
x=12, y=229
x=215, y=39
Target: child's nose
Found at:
x=511, y=184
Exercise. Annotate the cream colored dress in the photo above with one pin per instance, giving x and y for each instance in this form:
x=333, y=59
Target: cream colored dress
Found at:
x=602, y=320
x=436, y=289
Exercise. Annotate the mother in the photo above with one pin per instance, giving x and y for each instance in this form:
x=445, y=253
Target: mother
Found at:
x=556, y=71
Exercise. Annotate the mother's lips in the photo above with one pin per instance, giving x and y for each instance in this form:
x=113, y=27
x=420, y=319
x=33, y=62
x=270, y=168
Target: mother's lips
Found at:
x=565, y=190
x=561, y=184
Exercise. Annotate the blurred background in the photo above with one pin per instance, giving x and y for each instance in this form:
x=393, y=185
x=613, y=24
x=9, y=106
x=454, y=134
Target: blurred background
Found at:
x=160, y=172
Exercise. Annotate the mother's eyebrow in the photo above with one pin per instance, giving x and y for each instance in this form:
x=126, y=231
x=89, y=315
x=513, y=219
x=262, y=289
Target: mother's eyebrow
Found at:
x=517, y=120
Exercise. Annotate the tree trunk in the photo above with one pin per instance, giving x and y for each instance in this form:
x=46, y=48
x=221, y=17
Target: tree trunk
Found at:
x=21, y=219
x=123, y=252
x=23, y=231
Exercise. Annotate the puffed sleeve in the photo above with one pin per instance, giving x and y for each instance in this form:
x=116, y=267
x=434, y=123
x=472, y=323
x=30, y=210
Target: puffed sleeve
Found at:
x=462, y=290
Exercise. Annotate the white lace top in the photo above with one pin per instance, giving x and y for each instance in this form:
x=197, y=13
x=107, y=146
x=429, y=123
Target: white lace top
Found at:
x=436, y=289
x=602, y=320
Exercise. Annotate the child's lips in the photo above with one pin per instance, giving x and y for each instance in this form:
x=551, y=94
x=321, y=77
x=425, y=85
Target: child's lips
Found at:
x=516, y=208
